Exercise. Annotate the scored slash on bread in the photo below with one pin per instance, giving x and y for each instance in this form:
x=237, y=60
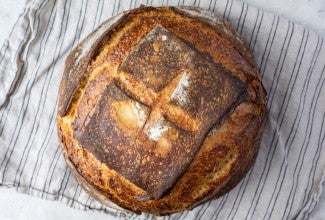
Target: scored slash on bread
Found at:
x=163, y=117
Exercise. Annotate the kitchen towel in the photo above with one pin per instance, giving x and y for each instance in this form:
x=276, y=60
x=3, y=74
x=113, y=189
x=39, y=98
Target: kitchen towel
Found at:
x=285, y=181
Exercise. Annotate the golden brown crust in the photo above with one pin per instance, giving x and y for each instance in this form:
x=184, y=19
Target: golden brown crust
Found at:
x=109, y=108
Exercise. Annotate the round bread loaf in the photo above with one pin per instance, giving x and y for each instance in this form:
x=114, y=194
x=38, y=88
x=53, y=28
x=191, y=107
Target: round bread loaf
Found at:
x=160, y=110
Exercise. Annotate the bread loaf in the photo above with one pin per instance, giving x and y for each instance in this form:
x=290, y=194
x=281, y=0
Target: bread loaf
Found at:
x=160, y=110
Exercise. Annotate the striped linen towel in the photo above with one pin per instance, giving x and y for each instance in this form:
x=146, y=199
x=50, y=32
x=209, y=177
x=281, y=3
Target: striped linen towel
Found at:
x=286, y=180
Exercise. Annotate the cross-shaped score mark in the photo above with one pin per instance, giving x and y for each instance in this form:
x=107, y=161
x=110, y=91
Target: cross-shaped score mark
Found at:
x=159, y=102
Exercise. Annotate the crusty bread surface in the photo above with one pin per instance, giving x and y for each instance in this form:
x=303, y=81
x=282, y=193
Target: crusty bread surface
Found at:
x=160, y=110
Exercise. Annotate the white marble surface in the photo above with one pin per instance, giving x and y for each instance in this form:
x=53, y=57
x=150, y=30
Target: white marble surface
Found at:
x=310, y=13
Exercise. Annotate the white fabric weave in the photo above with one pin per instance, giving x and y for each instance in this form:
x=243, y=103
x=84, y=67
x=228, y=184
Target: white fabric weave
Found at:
x=286, y=180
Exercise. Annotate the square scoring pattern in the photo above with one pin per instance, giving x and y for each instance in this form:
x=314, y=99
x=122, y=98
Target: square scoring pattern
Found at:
x=156, y=153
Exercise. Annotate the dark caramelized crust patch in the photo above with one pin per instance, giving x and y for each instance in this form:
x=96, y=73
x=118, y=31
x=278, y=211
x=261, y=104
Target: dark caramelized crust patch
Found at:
x=207, y=92
x=109, y=134
x=157, y=58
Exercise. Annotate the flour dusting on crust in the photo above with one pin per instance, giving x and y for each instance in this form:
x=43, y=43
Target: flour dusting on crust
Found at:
x=157, y=131
x=180, y=93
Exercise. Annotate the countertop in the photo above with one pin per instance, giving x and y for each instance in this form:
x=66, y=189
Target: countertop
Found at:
x=310, y=13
